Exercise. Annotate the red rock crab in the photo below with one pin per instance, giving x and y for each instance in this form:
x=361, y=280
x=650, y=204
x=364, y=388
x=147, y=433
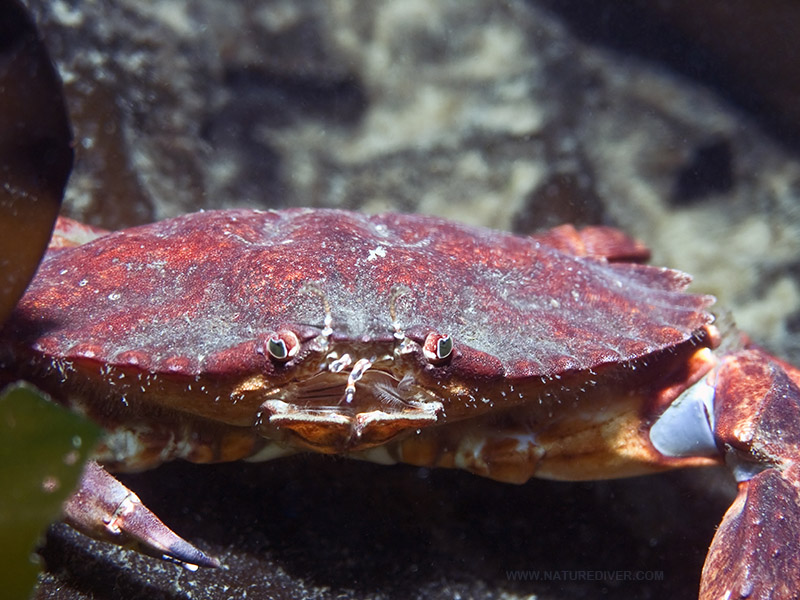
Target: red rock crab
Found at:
x=242, y=334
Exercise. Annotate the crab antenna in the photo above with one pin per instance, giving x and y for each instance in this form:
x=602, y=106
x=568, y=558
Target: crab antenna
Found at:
x=398, y=291
x=357, y=371
x=327, y=321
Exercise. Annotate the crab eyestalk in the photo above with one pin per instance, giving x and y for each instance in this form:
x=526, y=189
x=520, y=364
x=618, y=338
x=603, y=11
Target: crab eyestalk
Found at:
x=437, y=348
x=282, y=345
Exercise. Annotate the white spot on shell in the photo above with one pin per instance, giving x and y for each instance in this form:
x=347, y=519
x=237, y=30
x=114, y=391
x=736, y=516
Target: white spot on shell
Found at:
x=375, y=253
x=114, y=296
x=83, y=282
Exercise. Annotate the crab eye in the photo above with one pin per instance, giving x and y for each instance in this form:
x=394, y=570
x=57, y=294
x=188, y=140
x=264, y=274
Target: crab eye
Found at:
x=437, y=348
x=282, y=345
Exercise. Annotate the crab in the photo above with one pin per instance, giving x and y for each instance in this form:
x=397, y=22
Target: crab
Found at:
x=245, y=334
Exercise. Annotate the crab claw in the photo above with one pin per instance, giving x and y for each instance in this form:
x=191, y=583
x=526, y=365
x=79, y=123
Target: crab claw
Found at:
x=755, y=553
x=106, y=510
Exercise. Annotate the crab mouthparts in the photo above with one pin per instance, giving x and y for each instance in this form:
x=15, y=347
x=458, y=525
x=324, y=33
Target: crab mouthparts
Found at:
x=348, y=407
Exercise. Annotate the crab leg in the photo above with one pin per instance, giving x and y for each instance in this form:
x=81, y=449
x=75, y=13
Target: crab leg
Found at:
x=755, y=553
x=106, y=510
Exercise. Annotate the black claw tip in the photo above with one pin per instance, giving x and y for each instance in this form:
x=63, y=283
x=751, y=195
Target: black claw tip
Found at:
x=189, y=556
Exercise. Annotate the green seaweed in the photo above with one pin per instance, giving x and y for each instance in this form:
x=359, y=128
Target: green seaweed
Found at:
x=42, y=450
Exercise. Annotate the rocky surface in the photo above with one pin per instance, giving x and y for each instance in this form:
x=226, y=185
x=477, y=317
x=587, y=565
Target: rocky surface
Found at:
x=500, y=114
